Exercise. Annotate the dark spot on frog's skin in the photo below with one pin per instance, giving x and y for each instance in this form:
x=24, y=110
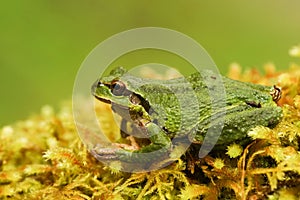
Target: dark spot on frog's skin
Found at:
x=253, y=104
x=213, y=77
x=151, y=111
x=272, y=123
x=165, y=129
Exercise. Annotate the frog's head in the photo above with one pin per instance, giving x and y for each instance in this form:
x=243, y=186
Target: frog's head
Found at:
x=117, y=89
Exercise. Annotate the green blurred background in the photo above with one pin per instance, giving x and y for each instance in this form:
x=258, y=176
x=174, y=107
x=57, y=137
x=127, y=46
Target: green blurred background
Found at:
x=43, y=43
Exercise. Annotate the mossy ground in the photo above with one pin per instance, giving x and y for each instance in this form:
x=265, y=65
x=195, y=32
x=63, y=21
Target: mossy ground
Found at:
x=42, y=157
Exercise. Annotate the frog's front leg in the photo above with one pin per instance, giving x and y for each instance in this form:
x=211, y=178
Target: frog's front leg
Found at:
x=159, y=147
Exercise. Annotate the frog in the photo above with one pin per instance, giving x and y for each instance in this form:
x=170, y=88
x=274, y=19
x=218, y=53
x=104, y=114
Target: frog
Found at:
x=178, y=112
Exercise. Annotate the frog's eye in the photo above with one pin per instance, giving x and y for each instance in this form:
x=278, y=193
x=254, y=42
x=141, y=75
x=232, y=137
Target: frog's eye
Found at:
x=118, y=88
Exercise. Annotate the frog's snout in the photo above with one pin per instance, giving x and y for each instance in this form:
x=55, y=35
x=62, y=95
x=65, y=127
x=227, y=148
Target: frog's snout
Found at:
x=94, y=87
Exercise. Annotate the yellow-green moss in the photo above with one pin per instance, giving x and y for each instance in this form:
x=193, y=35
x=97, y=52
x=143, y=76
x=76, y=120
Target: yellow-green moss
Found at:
x=43, y=158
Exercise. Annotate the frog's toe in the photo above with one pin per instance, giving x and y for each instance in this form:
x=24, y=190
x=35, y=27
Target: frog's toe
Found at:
x=105, y=153
x=114, y=152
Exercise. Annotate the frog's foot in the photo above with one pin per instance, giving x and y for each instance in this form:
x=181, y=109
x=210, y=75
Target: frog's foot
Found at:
x=116, y=150
x=159, y=148
x=102, y=153
x=129, y=156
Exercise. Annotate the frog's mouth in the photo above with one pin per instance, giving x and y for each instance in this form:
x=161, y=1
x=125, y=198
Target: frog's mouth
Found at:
x=102, y=99
x=93, y=89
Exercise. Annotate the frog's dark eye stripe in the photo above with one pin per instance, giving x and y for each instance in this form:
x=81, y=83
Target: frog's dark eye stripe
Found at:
x=137, y=99
x=276, y=93
x=117, y=88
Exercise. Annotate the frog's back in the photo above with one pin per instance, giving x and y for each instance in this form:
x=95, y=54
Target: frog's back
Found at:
x=177, y=105
x=183, y=105
x=246, y=105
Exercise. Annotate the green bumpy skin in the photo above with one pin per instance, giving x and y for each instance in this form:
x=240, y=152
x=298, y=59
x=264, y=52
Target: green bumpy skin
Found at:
x=161, y=110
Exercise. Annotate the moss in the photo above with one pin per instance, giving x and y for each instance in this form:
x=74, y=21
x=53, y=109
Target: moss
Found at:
x=43, y=158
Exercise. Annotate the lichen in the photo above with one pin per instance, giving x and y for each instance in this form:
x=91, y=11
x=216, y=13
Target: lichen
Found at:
x=42, y=157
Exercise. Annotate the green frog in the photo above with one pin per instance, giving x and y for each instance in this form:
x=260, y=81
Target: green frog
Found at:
x=179, y=112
